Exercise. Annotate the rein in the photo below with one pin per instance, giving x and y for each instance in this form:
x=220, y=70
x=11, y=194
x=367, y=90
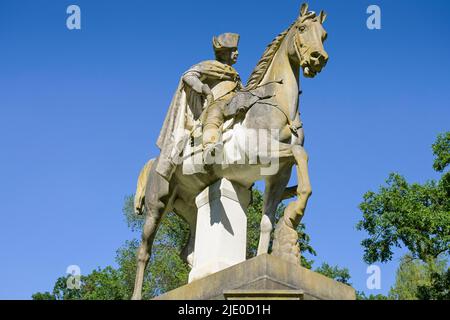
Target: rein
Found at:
x=293, y=127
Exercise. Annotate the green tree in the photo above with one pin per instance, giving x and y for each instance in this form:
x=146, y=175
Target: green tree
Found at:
x=335, y=272
x=60, y=292
x=103, y=284
x=437, y=289
x=441, y=151
x=43, y=296
x=166, y=270
x=413, y=274
x=343, y=275
x=362, y=296
x=416, y=216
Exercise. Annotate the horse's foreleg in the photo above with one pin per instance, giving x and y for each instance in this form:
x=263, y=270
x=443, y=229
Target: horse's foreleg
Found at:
x=275, y=186
x=286, y=238
x=296, y=209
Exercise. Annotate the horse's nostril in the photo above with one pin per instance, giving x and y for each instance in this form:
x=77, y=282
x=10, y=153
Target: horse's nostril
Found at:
x=316, y=55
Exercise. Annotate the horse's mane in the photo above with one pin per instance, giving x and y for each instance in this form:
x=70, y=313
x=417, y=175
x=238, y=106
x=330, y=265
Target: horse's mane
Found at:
x=263, y=65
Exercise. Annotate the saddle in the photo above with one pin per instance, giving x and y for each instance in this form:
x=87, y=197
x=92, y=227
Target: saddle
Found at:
x=245, y=99
x=233, y=110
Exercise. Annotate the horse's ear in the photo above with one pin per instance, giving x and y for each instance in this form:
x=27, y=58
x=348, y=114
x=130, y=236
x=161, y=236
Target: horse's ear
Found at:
x=303, y=9
x=322, y=16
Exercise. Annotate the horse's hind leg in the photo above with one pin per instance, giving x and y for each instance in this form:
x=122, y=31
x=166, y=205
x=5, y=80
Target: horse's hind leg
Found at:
x=157, y=190
x=275, y=186
x=189, y=214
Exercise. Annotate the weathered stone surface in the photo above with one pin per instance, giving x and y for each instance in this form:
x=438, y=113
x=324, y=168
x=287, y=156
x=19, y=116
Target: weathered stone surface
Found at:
x=221, y=237
x=263, y=273
x=274, y=120
x=285, y=243
x=263, y=294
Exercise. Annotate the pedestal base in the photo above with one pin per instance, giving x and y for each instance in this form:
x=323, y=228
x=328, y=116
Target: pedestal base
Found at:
x=266, y=294
x=263, y=275
x=221, y=232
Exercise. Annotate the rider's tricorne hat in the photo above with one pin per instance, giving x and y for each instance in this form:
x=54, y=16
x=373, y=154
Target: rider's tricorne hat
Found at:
x=226, y=41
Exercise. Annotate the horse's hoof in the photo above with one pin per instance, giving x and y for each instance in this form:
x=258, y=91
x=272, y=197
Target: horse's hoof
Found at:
x=285, y=243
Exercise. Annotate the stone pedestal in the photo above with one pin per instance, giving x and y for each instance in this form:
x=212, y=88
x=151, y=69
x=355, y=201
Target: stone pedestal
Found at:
x=261, y=294
x=263, y=277
x=221, y=233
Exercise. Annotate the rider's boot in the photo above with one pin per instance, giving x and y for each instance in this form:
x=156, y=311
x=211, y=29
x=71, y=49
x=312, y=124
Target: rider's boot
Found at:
x=212, y=146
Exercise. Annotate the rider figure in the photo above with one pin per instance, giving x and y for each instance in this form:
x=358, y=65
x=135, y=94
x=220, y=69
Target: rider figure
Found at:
x=217, y=88
x=203, y=92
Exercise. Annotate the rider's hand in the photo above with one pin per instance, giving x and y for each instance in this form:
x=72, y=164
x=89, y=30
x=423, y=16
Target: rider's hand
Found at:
x=206, y=90
x=208, y=94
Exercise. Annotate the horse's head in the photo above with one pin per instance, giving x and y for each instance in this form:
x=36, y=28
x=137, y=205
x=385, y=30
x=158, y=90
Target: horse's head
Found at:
x=308, y=36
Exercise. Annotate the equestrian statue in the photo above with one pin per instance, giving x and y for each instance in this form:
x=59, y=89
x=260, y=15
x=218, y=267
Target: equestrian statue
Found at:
x=211, y=114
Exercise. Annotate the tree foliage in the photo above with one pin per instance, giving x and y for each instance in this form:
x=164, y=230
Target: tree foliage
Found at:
x=343, y=275
x=416, y=216
x=362, y=296
x=441, y=151
x=415, y=279
x=437, y=289
x=100, y=284
x=334, y=272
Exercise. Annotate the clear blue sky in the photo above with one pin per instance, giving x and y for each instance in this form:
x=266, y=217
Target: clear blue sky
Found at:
x=80, y=112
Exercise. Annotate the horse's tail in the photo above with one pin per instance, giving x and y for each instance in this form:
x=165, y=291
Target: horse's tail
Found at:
x=139, y=197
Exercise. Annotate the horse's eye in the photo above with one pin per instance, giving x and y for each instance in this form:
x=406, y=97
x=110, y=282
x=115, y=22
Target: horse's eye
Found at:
x=302, y=28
